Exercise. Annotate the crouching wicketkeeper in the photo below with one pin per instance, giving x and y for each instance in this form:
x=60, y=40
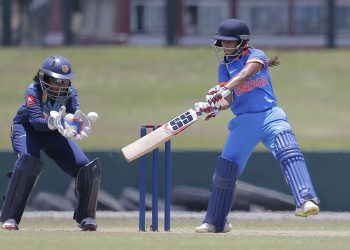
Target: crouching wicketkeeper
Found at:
x=34, y=129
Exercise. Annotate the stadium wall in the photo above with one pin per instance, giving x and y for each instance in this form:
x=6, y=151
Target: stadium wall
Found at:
x=329, y=171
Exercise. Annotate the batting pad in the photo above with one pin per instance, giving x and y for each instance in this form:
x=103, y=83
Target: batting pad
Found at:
x=221, y=198
x=294, y=168
x=26, y=172
x=87, y=186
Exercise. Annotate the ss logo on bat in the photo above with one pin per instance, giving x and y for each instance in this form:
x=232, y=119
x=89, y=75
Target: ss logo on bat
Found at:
x=181, y=120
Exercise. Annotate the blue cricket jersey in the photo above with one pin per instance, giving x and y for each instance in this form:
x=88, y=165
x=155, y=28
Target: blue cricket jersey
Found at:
x=256, y=94
x=37, y=106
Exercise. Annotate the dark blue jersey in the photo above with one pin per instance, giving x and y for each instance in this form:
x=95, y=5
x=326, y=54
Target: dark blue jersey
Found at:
x=37, y=106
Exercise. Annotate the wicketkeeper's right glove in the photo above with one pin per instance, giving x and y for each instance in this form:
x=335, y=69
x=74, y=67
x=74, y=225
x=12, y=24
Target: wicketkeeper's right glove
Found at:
x=56, y=120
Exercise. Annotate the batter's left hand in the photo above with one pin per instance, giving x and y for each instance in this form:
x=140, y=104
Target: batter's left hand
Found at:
x=205, y=111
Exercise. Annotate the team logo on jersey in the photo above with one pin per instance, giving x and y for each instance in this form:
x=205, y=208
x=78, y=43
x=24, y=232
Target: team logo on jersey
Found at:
x=251, y=85
x=232, y=71
x=65, y=68
x=30, y=101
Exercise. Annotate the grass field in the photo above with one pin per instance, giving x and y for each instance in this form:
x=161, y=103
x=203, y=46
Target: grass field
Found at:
x=51, y=231
x=130, y=86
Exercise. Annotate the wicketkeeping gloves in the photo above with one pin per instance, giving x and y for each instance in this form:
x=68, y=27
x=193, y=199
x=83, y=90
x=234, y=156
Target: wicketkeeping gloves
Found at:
x=85, y=124
x=56, y=121
x=75, y=125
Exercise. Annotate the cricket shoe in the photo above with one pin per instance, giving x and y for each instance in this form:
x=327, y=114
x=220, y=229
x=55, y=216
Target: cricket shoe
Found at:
x=210, y=228
x=308, y=208
x=10, y=225
x=88, y=224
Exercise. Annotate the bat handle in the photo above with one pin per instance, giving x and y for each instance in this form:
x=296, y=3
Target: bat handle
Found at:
x=226, y=93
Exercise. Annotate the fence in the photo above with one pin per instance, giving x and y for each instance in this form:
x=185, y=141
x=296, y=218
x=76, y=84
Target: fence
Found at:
x=313, y=23
x=329, y=171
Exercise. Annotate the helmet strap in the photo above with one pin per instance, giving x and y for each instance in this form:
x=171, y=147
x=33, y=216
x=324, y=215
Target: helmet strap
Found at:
x=229, y=58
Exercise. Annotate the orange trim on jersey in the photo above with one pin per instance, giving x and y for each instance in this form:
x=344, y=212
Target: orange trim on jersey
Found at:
x=255, y=60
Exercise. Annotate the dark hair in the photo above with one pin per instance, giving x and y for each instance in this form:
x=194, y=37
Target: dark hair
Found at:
x=36, y=78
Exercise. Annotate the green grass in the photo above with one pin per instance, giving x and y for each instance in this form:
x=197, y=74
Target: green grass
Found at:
x=130, y=86
x=119, y=232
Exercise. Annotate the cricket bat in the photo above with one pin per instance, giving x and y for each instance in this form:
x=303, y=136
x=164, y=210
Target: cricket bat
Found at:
x=162, y=134
x=157, y=137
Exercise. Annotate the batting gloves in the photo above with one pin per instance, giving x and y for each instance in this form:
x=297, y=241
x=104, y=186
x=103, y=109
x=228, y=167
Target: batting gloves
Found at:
x=205, y=111
x=216, y=96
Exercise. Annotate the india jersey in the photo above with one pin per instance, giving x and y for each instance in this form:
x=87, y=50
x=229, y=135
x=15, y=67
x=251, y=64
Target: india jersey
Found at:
x=256, y=94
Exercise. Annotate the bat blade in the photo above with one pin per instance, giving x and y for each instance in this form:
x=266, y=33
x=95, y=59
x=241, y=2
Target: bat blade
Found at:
x=157, y=137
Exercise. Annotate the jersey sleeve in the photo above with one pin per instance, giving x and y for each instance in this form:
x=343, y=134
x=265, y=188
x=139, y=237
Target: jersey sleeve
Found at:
x=223, y=75
x=257, y=56
x=35, y=111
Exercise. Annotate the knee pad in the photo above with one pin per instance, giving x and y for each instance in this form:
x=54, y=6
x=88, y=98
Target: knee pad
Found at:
x=294, y=168
x=25, y=173
x=221, y=198
x=86, y=190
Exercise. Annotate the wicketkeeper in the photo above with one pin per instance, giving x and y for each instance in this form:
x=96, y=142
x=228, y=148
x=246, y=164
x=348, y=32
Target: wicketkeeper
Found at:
x=34, y=130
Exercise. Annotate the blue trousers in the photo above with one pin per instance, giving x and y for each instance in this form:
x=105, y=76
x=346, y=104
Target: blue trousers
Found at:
x=247, y=130
x=66, y=153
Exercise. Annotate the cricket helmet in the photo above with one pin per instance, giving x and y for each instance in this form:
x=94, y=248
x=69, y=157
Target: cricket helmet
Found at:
x=232, y=30
x=55, y=76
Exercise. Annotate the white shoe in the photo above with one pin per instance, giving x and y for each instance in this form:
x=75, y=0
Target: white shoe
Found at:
x=227, y=227
x=308, y=208
x=88, y=224
x=210, y=228
x=10, y=224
